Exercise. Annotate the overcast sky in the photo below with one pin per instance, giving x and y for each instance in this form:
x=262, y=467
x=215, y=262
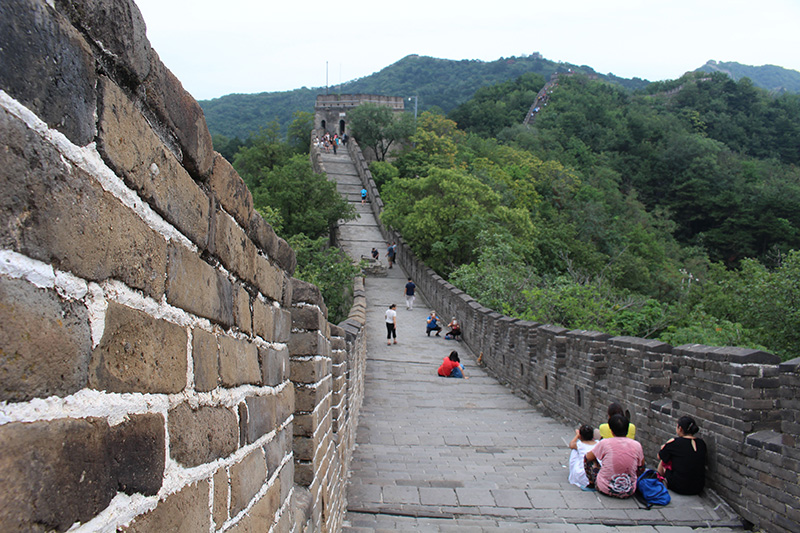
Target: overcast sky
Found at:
x=219, y=47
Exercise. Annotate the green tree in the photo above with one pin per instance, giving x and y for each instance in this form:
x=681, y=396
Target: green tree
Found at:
x=329, y=269
x=298, y=134
x=377, y=127
x=307, y=202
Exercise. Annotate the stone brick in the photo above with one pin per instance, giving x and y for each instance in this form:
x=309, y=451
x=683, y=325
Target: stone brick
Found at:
x=285, y=258
x=234, y=249
x=180, y=114
x=286, y=299
x=241, y=310
x=202, y=435
x=307, y=343
x=231, y=191
x=307, y=398
x=305, y=292
x=135, y=152
x=260, y=517
x=308, y=318
x=286, y=480
x=262, y=235
x=185, y=511
x=39, y=47
x=197, y=287
x=309, y=369
x=138, y=353
x=54, y=474
x=118, y=30
x=247, y=477
x=221, y=488
x=46, y=343
x=277, y=449
x=268, y=279
x=274, y=365
x=283, y=325
x=285, y=406
x=81, y=228
x=205, y=354
x=263, y=320
x=64, y=471
x=260, y=417
x=137, y=448
x=238, y=362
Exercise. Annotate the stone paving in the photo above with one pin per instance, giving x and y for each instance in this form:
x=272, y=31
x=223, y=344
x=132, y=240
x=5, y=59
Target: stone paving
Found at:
x=440, y=454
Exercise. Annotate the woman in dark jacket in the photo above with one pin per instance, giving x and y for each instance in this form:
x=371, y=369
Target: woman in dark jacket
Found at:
x=683, y=459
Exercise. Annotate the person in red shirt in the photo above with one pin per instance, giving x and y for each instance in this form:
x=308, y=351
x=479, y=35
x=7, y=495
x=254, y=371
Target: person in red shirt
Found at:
x=451, y=366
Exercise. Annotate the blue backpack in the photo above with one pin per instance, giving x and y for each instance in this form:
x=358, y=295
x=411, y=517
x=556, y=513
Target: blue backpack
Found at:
x=650, y=490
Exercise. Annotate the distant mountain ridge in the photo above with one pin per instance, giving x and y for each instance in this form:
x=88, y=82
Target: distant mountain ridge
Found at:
x=444, y=83
x=770, y=77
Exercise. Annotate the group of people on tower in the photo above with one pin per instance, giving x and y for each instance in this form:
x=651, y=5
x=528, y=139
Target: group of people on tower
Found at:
x=610, y=459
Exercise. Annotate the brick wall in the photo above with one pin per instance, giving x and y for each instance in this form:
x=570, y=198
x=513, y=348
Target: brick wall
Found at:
x=160, y=369
x=745, y=401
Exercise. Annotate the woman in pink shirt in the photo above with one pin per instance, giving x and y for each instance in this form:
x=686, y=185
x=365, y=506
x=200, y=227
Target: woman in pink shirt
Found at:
x=614, y=464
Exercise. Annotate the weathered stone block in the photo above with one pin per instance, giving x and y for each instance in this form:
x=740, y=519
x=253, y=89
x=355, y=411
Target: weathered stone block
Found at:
x=234, y=249
x=138, y=353
x=46, y=343
x=307, y=343
x=81, y=228
x=205, y=354
x=305, y=292
x=238, y=362
x=64, y=471
x=285, y=406
x=277, y=449
x=308, y=318
x=309, y=369
x=119, y=31
x=186, y=511
x=197, y=287
x=221, y=489
x=261, y=515
x=134, y=151
x=263, y=320
x=181, y=114
x=274, y=365
x=40, y=46
x=260, y=417
x=137, y=451
x=241, y=310
x=284, y=257
x=283, y=325
x=268, y=279
x=231, y=191
x=247, y=477
x=262, y=234
x=308, y=397
x=199, y=436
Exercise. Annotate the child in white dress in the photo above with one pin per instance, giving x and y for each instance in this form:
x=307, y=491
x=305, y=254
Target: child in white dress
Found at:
x=580, y=444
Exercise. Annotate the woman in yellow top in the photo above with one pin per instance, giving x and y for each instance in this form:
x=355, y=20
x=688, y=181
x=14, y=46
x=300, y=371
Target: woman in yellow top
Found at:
x=616, y=409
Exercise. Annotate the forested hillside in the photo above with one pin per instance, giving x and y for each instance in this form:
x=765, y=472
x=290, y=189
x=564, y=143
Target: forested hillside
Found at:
x=769, y=77
x=441, y=83
x=669, y=213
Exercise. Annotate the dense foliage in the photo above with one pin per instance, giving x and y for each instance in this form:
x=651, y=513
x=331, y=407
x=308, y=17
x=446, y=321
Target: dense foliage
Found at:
x=633, y=214
x=769, y=77
x=379, y=128
x=302, y=207
x=437, y=83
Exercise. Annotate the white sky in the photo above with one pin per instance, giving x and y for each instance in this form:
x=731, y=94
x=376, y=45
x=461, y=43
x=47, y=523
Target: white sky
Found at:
x=219, y=47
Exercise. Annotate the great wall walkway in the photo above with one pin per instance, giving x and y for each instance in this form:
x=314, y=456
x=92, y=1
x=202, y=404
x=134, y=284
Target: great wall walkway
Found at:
x=436, y=454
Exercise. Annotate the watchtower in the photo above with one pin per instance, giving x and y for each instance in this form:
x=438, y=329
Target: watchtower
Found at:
x=330, y=110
